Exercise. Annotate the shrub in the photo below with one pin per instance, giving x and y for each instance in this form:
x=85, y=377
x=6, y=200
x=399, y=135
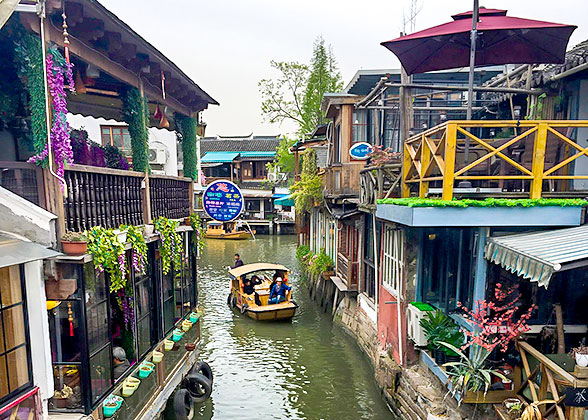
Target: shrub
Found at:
x=301, y=252
x=321, y=263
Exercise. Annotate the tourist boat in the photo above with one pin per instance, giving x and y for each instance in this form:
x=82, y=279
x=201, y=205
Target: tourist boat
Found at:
x=227, y=230
x=255, y=305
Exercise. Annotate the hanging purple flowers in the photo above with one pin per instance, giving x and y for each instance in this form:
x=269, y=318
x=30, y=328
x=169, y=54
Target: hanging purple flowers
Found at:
x=57, y=71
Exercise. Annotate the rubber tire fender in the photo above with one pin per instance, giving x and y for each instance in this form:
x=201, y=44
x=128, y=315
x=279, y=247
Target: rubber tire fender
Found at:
x=244, y=308
x=204, y=368
x=183, y=405
x=229, y=298
x=199, y=387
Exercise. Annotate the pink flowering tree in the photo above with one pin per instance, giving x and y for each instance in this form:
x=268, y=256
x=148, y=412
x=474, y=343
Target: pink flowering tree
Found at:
x=496, y=322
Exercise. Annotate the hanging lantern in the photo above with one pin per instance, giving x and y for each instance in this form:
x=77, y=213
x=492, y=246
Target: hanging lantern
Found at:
x=65, y=34
x=164, y=123
x=157, y=114
x=70, y=318
x=79, y=84
x=201, y=129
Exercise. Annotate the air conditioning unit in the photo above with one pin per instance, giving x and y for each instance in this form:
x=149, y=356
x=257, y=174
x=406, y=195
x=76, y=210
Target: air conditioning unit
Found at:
x=157, y=156
x=276, y=176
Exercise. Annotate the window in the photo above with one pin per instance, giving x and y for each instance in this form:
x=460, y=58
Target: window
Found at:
x=393, y=247
x=260, y=169
x=14, y=352
x=360, y=126
x=116, y=135
x=337, y=145
x=145, y=312
x=183, y=282
x=369, y=280
x=392, y=130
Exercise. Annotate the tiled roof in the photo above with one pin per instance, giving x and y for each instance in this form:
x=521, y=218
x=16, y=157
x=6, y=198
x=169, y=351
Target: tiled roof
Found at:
x=242, y=144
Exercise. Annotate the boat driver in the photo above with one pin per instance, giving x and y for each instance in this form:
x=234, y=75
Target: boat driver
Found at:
x=238, y=261
x=278, y=292
x=248, y=286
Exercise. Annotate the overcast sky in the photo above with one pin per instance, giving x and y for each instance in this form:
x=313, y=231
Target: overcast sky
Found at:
x=226, y=45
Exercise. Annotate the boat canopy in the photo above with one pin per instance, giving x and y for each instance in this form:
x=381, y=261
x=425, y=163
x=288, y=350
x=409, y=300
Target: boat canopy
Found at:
x=251, y=268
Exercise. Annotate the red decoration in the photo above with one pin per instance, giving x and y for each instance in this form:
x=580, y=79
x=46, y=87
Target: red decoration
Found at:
x=157, y=114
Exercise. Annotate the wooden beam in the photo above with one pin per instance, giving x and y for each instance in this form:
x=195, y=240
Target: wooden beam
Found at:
x=92, y=56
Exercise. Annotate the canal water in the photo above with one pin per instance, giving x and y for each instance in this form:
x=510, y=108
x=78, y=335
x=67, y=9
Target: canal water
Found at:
x=304, y=369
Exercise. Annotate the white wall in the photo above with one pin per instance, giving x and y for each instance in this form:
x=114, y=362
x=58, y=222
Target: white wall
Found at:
x=156, y=135
x=39, y=331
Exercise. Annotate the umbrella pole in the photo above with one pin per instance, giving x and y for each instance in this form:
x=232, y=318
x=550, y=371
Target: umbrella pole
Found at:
x=474, y=36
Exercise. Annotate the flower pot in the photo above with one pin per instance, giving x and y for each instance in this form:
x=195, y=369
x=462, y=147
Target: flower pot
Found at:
x=439, y=356
x=190, y=346
x=582, y=359
x=194, y=317
x=507, y=384
x=177, y=335
x=168, y=345
x=186, y=325
x=144, y=372
x=509, y=403
x=122, y=237
x=451, y=358
x=74, y=248
x=128, y=390
x=60, y=402
x=157, y=356
x=111, y=405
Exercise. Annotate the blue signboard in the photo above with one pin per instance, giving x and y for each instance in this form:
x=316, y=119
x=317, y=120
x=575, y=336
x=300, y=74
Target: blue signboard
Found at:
x=360, y=151
x=223, y=201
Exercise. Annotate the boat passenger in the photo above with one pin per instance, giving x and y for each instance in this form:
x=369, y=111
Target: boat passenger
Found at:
x=278, y=292
x=121, y=364
x=255, y=280
x=248, y=286
x=238, y=261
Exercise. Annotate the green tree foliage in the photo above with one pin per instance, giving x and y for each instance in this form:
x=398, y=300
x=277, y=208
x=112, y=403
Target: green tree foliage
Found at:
x=297, y=92
x=324, y=77
x=308, y=191
x=284, y=160
x=136, y=115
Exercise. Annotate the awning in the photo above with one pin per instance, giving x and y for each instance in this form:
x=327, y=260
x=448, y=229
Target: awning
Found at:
x=15, y=251
x=219, y=157
x=257, y=154
x=537, y=255
x=284, y=201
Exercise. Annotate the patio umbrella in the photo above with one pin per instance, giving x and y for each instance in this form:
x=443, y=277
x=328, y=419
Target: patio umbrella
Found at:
x=501, y=39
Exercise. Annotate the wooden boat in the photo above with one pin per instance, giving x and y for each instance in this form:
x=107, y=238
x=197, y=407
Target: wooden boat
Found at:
x=255, y=305
x=228, y=230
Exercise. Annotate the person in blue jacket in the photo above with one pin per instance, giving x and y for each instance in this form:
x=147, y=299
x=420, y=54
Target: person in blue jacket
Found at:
x=278, y=292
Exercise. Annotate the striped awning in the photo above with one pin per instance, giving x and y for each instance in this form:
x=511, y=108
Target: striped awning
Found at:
x=537, y=255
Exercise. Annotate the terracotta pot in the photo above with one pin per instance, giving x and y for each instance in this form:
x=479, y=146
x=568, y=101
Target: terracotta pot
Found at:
x=74, y=248
x=60, y=402
x=190, y=346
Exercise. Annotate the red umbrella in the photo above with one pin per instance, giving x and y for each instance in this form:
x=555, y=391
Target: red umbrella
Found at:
x=501, y=39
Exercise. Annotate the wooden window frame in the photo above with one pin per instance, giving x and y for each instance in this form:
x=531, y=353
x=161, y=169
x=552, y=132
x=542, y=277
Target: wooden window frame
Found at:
x=111, y=129
x=393, y=259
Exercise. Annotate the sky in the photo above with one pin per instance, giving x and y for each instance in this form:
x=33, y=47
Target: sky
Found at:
x=226, y=46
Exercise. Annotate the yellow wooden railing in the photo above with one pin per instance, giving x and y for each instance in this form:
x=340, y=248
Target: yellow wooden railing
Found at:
x=438, y=155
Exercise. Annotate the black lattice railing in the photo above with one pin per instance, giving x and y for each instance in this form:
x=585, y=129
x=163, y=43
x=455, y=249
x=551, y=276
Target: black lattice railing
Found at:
x=25, y=180
x=102, y=197
x=170, y=197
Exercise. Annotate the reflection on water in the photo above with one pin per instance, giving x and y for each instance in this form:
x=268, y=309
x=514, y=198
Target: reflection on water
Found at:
x=304, y=369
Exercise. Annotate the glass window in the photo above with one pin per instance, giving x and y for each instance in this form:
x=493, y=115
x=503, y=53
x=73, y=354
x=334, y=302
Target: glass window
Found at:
x=117, y=136
x=14, y=354
x=101, y=372
x=144, y=310
x=65, y=332
x=67, y=382
x=393, y=251
x=360, y=126
x=96, y=308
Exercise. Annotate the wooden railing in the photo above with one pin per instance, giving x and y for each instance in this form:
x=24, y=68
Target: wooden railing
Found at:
x=530, y=157
x=348, y=271
x=25, y=180
x=544, y=376
x=111, y=197
x=377, y=182
x=343, y=179
x=171, y=197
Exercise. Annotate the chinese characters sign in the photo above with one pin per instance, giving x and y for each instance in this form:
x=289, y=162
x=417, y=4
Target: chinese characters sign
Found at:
x=223, y=201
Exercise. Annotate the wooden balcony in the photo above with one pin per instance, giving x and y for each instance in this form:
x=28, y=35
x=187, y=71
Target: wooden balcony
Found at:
x=378, y=182
x=347, y=271
x=343, y=179
x=526, y=158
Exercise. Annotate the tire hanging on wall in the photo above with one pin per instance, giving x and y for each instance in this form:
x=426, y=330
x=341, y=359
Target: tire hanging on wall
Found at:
x=183, y=405
x=204, y=368
x=199, y=387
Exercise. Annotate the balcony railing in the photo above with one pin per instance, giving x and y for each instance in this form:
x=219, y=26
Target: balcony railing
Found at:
x=110, y=197
x=530, y=158
x=379, y=182
x=348, y=271
x=343, y=179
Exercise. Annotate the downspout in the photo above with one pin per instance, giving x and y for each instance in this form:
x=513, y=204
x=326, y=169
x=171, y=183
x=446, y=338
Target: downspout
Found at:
x=398, y=308
x=49, y=147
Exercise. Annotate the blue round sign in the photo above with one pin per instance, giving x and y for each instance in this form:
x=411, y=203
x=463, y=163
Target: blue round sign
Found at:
x=360, y=151
x=223, y=201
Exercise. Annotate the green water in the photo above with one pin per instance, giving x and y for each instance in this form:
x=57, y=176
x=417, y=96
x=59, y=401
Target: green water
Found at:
x=304, y=369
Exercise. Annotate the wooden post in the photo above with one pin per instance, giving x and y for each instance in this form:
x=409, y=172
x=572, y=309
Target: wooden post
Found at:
x=146, y=201
x=448, y=174
x=425, y=159
x=296, y=165
x=561, y=346
x=539, y=160
x=407, y=163
x=406, y=116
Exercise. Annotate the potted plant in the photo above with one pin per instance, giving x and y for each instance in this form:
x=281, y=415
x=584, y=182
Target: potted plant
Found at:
x=456, y=339
x=148, y=229
x=111, y=405
x=74, y=243
x=437, y=328
x=157, y=356
x=513, y=407
x=580, y=353
x=60, y=397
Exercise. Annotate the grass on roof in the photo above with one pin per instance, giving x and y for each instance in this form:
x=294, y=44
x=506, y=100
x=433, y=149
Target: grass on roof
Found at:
x=487, y=202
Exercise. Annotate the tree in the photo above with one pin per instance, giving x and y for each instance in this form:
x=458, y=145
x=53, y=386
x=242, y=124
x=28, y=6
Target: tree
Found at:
x=324, y=77
x=284, y=160
x=297, y=92
x=308, y=191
